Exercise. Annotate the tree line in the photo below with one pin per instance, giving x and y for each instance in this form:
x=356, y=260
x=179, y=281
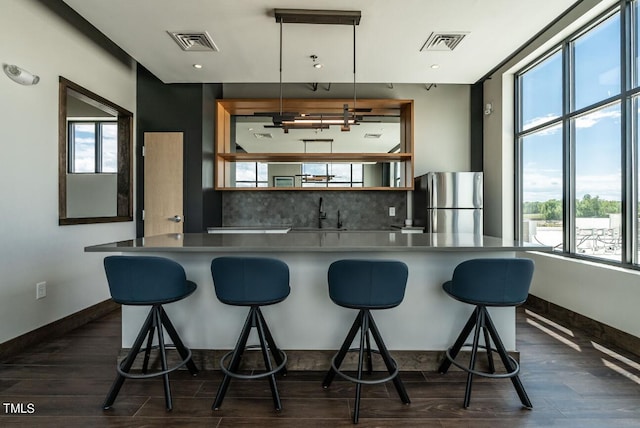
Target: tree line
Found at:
x=589, y=206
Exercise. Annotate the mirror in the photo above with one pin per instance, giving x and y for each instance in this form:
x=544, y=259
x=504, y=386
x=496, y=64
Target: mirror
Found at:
x=372, y=134
x=94, y=158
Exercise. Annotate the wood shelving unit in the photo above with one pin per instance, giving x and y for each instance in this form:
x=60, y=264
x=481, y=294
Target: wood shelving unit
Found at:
x=225, y=157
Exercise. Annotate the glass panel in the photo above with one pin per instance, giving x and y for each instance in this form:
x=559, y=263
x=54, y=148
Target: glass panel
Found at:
x=295, y=174
x=598, y=183
x=373, y=134
x=636, y=38
x=541, y=97
x=356, y=171
x=542, y=187
x=109, y=147
x=84, y=147
x=635, y=137
x=597, y=63
x=250, y=174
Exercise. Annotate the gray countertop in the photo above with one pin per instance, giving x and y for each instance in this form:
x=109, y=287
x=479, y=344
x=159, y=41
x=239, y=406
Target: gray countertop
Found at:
x=320, y=241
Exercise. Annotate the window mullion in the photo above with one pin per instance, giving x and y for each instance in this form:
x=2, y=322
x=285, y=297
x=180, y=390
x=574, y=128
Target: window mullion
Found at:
x=568, y=152
x=98, y=147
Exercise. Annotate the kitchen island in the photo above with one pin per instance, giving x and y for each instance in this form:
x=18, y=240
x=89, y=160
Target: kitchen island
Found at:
x=427, y=319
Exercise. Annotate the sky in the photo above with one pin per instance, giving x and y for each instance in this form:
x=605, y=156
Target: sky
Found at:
x=597, y=134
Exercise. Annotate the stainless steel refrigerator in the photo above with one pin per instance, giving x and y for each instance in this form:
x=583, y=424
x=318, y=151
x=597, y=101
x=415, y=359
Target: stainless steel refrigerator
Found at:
x=448, y=202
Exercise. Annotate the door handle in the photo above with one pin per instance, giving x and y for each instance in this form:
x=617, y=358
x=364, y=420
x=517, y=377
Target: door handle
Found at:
x=176, y=218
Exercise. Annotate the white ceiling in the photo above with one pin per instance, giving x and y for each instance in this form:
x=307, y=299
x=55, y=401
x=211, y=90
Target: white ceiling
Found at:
x=389, y=38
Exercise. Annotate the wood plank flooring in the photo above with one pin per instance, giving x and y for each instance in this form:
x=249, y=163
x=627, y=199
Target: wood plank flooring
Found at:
x=572, y=380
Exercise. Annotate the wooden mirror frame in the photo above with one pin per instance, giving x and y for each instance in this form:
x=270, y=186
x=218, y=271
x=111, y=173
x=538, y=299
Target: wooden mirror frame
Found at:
x=125, y=170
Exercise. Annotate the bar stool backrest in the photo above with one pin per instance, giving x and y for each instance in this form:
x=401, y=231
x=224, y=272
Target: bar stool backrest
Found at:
x=146, y=280
x=492, y=282
x=249, y=281
x=367, y=284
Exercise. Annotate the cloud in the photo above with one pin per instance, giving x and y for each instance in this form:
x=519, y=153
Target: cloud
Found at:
x=532, y=123
x=540, y=185
x=592, y=119
x=585, y=121
x=607, y=186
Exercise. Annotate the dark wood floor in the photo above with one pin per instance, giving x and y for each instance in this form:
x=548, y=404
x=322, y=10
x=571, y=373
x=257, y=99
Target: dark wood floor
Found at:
x=571, y=380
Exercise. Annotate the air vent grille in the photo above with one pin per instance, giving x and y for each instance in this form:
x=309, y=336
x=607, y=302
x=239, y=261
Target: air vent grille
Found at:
x=443, y=41
x=194, y=41
x=370, y=135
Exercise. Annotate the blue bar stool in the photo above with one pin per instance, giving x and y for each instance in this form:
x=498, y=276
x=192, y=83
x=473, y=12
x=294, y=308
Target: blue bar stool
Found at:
x=253, y=282
x=149, y=281
x=366, y=285
x=486, y=283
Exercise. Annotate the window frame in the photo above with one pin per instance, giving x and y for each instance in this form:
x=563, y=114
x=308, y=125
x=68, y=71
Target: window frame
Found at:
x=629, y=99
x=98, y=145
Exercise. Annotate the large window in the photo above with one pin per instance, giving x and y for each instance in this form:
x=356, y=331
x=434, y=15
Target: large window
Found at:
x=575, y=137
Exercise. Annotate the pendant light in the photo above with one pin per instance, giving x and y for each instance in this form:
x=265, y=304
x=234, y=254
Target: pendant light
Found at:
x=309, y=16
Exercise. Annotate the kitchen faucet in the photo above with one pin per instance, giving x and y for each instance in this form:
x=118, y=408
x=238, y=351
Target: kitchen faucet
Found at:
x=321, y=214
x=339, y=225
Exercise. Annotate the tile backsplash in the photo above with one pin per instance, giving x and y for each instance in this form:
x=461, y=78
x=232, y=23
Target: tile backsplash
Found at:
x=358, y=209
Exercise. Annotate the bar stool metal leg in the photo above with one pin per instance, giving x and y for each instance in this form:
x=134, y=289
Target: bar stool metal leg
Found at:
x=126, y=365
x=504, y=356
x=363, y=334
x=487, y=343
x=388, y=361
x=147, y=353
x=472, y=362
x=163, y=360
x=275, y=351
x=267, y=362
x=235, y=360
x=462, y=337
x=343, y=350
x=175, y=338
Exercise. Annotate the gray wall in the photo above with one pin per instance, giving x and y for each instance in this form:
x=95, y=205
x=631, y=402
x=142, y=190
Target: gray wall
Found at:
x=34, y=247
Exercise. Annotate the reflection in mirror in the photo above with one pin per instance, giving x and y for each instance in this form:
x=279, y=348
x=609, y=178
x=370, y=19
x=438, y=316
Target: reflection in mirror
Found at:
x=94, y=158
x=373, y=134
x=316, y=174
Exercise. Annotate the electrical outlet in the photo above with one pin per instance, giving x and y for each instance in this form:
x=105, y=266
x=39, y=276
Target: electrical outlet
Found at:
x=392, y=211
x=41, y=290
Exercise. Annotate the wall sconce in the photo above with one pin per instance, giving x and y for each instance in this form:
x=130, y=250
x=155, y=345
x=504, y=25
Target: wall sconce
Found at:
x=20, y=75
x=488, y=109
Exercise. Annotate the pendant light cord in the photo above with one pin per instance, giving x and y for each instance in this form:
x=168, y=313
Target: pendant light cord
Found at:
x=281, y=68
x=354, y=68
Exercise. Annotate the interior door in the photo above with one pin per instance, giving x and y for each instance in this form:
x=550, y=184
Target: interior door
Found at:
x=163, y=176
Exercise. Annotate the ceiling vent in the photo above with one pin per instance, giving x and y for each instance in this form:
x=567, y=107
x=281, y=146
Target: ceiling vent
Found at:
x=262, y=136
x=368, y=135
x=194, y=41
x=443, y=41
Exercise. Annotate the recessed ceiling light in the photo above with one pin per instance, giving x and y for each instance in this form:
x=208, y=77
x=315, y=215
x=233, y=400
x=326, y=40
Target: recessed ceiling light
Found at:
x=317, y=65
x=198, y=66
x=435, y=66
